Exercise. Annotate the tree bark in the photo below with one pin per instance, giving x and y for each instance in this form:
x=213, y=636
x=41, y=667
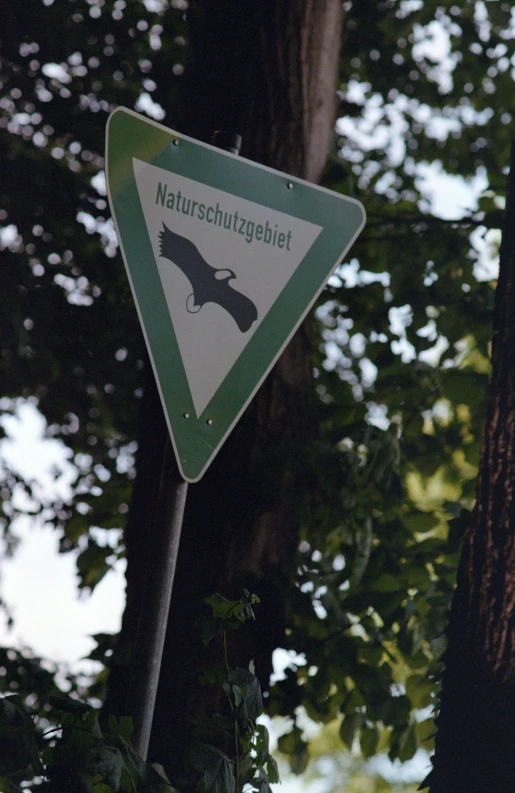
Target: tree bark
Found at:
x=475, y=746
x=268, y=71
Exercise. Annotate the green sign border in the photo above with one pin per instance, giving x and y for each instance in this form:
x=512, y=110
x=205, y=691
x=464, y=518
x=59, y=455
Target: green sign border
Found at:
x=131, y=135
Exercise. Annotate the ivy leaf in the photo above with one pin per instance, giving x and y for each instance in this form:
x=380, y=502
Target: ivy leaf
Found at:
x=215, y=767
x=18, y=747
x=263, y=785
x=155, y=780
x=108, y=762
x=263, y=756
x=249, y=600
x=245, y=687
x=245, y=770
x=133, y=764
x=121, y=726
x=83, y=782
x=70, y=705
x=211, y=726
x=262, y=743
x=210, y=627
x=63, y=779
x=224, y=609
x=213, y=674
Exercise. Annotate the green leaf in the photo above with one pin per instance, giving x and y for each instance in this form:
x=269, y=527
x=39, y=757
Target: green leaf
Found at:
x=245, y=688
x=210, y=628
x=223, y=609
x=398, y=711
x=82, y=782
x=288, y=743
x=463, y=385
x=213, y=674
x=419, y=690
x=159, y=771
x=348, y=728
x=11, y=711
x=262, y=743
x=122, y=726
x=299, y=761
x=263, y=783
x=245, y=769
x=408, y=744
x=18, y=746
x=108, y=762
x=426, y=731
x=92, y=564
x=154, y=779
x=386, y=583
x=211, y=726
x=70, y=705
x=296, y=748
x=215, y=768
x=369, y=738
x=273, y=770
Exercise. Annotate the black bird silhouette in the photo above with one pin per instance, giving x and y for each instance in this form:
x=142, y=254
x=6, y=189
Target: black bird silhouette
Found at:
x=209, y=284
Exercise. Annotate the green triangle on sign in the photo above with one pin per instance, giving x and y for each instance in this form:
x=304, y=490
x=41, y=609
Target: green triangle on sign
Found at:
x=225, y=258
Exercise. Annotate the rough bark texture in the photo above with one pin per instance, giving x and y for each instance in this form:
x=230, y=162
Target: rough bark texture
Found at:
x=268, y=71
x=475, y=748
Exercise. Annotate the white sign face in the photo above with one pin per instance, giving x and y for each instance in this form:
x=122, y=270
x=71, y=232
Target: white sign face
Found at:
x=218, y=254
x=225, y=257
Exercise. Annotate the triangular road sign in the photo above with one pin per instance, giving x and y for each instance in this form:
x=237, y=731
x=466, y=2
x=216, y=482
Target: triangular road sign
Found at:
x=225, y=258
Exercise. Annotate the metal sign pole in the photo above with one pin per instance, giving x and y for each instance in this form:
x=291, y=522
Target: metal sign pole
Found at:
x=171, y=504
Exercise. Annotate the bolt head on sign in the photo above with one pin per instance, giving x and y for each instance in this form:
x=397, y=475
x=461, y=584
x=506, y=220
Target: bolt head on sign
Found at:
x=225, y=258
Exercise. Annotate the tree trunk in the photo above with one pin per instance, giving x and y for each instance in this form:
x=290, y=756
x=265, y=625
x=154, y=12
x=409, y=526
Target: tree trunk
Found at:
x=475, y=747
x=268, y=71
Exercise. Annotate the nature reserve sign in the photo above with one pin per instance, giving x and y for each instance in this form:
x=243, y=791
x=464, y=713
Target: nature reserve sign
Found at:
x=225, y=258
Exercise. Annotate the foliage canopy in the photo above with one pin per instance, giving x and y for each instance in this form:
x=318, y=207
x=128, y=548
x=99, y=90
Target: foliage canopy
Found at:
x=401, y=361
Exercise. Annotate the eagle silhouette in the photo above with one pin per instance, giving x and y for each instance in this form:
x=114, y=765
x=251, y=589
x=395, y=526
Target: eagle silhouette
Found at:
x=209, y=284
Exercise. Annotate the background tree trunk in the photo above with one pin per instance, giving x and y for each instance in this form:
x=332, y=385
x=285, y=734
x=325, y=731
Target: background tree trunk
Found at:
x=475, y=746
x=268, y=71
